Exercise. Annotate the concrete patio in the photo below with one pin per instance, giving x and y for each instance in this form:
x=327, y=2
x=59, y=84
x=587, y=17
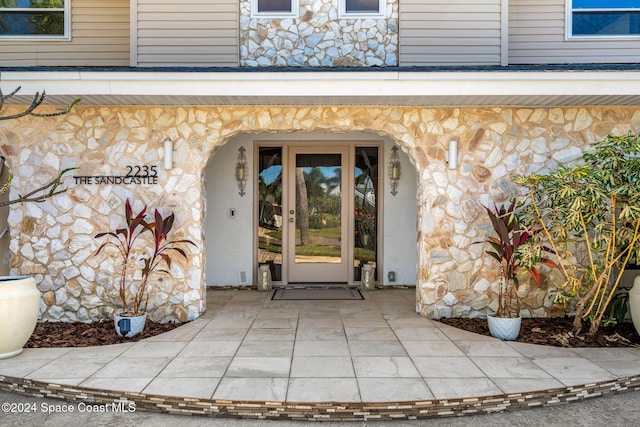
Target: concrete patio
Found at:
x=249, y=348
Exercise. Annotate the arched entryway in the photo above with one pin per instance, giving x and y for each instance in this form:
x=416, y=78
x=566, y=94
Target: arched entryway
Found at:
x=352, y=216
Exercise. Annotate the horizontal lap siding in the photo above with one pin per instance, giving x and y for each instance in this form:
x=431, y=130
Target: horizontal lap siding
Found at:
x=188, y=33
x=454, y=32
x=537, y=36
x=99, y=37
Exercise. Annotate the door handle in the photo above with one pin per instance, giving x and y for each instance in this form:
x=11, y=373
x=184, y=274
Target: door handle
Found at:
x=291, y=212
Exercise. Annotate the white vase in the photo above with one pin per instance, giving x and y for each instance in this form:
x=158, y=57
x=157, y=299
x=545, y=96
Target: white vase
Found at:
x=129, y=326
x=19, y=311
x=634, y=303
x=504, y=328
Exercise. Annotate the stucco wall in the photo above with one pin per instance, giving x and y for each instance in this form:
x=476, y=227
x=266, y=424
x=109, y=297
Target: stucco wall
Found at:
x=54, y=242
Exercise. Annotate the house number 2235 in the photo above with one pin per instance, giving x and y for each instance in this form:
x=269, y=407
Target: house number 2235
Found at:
x=142, y=171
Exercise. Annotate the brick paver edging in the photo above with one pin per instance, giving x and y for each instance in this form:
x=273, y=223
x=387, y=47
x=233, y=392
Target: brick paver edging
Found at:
x=322, y=411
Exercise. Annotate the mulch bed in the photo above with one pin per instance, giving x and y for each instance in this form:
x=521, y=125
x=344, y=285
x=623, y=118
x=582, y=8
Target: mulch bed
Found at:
x=552, y=331
x=557, y=332
x=77, y=334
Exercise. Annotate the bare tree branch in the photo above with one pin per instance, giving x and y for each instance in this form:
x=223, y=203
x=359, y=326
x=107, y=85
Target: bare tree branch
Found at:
x=40, y=194
x=52, y=188
x=38, y=99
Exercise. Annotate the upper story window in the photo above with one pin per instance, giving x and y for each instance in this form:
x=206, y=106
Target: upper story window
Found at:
x=274, y=8
x=349, y=8
x=604, y=18
x=35, y=19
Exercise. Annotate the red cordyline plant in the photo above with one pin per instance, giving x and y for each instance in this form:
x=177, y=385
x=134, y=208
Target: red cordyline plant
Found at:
x=124, y=240
x=159, y=229
x=514, y=249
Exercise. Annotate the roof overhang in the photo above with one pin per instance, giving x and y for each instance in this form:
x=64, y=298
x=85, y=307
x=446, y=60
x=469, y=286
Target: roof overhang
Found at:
x=399, y=87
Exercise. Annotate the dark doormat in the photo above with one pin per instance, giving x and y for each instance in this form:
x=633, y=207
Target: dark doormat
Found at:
x=317, y=294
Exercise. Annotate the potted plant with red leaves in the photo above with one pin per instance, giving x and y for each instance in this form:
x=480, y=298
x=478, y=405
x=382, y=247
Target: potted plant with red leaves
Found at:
x=161, y=254
x=124, y=239
x=515, y=249
x=131, y=320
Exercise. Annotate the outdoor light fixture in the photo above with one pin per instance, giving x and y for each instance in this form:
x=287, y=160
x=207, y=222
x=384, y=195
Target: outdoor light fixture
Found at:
x=394, y=170
x=168, y=154
x=241, y=171
x=452, y=154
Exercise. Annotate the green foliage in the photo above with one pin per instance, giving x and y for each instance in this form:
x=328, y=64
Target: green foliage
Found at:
x=364, y=255
x=617, y=309
x=270, y=247
x=323, y=220
x=590, y=216
x=326, y=203
x=365, y=235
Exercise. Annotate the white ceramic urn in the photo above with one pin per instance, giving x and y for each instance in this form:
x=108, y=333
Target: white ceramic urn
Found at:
x=19, y=311
x=634, y=303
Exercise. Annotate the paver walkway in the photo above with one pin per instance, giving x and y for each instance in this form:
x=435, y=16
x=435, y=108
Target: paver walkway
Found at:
x=248, y=347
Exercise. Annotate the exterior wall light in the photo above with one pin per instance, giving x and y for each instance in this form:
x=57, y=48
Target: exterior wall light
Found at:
x=452, y=154
x=168, y=154
x=241, y=171
x=394, y=170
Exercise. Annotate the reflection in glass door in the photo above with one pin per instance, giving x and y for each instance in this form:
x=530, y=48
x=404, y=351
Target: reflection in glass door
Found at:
x=365, y=215
x=270, y=226
x=315, y=215
x=317, y=212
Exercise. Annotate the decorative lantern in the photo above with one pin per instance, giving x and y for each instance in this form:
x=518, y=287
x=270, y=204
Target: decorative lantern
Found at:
x=241, y=171
x=264, y=278
x=394, y=170
x=368, y=277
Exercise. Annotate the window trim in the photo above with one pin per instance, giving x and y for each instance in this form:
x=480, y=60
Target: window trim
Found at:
x=569, y=11
x=382, y=5
x=295, y=6
x=26, y=37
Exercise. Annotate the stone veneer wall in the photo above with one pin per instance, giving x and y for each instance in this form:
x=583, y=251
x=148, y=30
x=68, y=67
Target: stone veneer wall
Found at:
x=319, y=37
x=54, y=240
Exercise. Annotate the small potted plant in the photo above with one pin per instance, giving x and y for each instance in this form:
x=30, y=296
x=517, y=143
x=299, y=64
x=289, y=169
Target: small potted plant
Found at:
x=131, y=320
x=514, y=248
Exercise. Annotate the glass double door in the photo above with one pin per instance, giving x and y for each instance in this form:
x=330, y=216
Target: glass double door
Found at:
x=309, y=204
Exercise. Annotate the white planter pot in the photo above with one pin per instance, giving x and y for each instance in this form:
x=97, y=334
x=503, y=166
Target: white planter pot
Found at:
x=19, y=311
x=504, y=328
x=129, y=326
x=634, y=303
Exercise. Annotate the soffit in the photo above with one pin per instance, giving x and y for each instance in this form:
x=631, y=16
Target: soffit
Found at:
x=389, y=88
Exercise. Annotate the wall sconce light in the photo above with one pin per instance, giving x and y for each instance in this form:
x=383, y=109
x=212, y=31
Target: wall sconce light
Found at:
x=241, y=171
x=452, y=154
x=394, y=170
x=168, y=154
